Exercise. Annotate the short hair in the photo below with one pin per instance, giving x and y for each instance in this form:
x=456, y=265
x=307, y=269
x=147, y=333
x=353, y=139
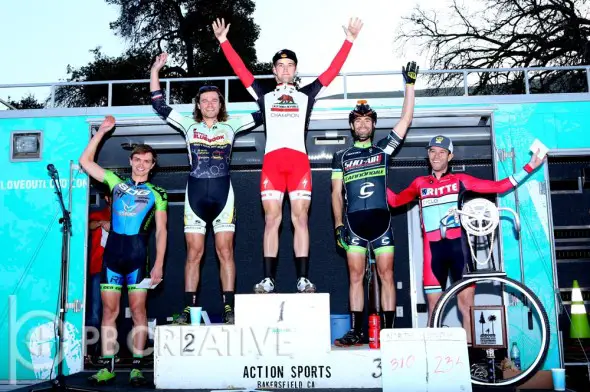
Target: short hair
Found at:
x=144, y=149
x=221, y=116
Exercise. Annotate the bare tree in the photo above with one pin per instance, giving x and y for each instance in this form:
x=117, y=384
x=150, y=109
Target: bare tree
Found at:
x=501, y=34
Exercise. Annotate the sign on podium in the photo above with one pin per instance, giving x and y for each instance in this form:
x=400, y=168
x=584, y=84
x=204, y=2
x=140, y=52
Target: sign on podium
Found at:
x=425, y=359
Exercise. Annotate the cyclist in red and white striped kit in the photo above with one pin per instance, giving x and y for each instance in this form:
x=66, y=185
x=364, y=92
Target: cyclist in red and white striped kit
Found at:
x=286, y=111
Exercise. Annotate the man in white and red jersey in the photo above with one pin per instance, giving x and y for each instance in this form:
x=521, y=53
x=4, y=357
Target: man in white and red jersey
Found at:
x=438, y=193
x=286, y=110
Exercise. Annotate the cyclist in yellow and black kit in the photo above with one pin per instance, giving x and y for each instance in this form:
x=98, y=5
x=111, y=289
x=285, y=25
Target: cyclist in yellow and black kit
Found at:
x=136, y=205
x=362, y=217
x=209, y=194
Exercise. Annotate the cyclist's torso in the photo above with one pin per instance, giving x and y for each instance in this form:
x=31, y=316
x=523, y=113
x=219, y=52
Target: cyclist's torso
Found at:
x=437, y=197
x=210, y=149
x=133, y=204
x=286, y=111
x=364, y=173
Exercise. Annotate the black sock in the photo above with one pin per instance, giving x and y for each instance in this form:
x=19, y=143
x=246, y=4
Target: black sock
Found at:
x=270, y=267
x=301, y=265
x=228, y=298
x=190, y=298
x=357, y=321
x=389, y=317
x=137, y=360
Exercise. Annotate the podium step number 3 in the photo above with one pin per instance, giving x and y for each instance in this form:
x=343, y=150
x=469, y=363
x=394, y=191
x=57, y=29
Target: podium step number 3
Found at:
x=425, y=359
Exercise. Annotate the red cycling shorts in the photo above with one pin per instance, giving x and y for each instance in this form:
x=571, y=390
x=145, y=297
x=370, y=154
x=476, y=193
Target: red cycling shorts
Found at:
x=285, y=170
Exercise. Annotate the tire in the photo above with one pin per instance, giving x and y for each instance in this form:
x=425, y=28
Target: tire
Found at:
x=533, y=301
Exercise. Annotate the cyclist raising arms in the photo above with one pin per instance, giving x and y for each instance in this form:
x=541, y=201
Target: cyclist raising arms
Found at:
x=438, y=193
x=287, y=110
x=361, y=170
x=209, y=193
x=136, y=203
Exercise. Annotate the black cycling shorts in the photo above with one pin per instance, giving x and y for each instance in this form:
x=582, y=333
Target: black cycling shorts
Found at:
x=124, y=262
x=443, y=258
x=209, y=201
x=369, y=226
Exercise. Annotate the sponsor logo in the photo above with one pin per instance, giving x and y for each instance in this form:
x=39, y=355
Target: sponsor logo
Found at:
x=440, y=191
x=356, y=163
x=201, y=137
x=364, y=174
x=133, y=191
x=285, y=103
x=365, y=192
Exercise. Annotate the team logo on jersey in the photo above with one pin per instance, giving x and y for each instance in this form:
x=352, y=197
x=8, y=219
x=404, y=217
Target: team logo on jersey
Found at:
x=134, y=191
x=440, y=191
x=285, y=103
x=365, y=192
x=202, y=138
x=356, y=163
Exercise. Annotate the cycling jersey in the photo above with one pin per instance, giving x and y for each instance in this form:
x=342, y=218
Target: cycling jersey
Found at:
x=133, y=204
x=436, y=198
x=286, y=112
x=363, y=168
x=209, y=197
x=286, y=108
x=209, y=149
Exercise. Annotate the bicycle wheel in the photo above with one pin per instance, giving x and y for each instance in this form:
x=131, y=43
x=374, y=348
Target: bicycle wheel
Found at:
x=436, y=321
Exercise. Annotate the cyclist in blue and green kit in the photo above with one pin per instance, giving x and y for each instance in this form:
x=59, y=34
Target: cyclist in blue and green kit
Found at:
x=136, y=205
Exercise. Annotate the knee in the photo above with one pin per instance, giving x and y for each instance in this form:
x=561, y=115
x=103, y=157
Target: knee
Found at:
x=272, y=219
x=109, y=313
x=386, y=275
x=299, y=218
x=356, y=277
x=464, y=302
x=194, y=254
x=138, y=313
x=225, y=253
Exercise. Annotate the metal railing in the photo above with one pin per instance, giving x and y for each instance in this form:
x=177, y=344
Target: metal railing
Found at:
x=345, y=76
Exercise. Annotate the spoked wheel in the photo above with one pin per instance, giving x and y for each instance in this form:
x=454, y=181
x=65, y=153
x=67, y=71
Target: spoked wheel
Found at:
x=479, y=377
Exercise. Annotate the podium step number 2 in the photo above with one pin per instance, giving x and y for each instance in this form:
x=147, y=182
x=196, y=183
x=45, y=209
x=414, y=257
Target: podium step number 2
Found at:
x=425, y=359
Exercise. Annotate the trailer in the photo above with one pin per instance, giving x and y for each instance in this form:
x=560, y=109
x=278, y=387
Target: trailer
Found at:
x=492, y=135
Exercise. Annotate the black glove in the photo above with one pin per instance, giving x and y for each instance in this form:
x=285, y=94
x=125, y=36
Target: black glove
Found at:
x=342, y=237
x=410, y=72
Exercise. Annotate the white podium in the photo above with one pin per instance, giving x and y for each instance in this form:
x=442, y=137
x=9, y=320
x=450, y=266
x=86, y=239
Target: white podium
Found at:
x=278, y=341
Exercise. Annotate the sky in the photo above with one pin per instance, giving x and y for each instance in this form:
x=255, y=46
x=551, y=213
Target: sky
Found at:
x=42, y=43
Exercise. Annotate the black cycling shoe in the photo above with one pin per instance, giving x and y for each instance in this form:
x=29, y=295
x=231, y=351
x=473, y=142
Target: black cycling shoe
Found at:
x=184, y=318
x=350, y=338
x=228, y=315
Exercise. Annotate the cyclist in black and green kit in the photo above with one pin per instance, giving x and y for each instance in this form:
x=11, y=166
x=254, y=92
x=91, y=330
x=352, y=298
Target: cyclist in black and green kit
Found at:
x=361, y=171
x=136, y=204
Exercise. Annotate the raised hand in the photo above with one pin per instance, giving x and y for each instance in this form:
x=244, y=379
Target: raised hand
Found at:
x=535, y=161
x=354, y=28
x=160, y=62
x=220, y=29
x=107, y=124
x=410, y=72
